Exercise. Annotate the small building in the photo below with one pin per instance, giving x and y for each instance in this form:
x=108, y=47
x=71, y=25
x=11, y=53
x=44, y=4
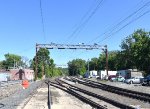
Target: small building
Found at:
x=103, y=74
x=90, y=74
x=16, y=74
x=93, y=73
x=20, y=74
x=124, y=73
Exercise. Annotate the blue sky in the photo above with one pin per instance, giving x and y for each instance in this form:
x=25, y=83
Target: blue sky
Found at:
x=21, y=25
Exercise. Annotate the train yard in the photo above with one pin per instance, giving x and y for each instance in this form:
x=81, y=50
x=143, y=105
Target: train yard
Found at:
x=95, y=93
x=80, y=93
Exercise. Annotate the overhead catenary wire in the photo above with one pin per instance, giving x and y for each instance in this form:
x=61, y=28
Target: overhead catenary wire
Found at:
x=43, y=30
x=42, y=21
x=87, y=13
x=88, y=19
x=109, y=31
x=125, y=25
x=112, y=32
x=85, y=20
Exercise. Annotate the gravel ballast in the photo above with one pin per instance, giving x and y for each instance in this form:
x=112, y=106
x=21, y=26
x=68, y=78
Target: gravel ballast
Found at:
x=63, y=100
x=116, y=97
x=134, y=87
x=7, y=91
x=21, y=95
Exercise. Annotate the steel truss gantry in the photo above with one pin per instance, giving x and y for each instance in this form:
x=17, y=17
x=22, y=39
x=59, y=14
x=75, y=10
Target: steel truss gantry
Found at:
x=71, y=46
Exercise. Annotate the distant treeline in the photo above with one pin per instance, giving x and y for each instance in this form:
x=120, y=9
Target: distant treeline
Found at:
x=134, y=54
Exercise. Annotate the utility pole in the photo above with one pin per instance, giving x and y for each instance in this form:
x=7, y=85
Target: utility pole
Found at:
x=36, y=64
x=106, y=52
x=14, y=64
x=88, y=66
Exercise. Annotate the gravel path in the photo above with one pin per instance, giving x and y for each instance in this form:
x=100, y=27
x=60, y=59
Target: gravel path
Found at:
x=15, y=100
x=116, y=97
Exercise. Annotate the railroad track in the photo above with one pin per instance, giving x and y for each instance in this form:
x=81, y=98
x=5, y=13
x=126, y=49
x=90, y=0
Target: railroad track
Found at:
x=65, y=87
x=124, y=92
x=73, y=90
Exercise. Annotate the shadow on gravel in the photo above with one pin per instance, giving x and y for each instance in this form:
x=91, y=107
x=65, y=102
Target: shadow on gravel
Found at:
x=1, y=105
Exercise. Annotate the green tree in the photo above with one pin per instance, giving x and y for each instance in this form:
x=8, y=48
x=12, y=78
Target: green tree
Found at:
x=45, y=64
x=127, y=53
x=93, y=64
x=77, y=67
x=1, y=65
x=11, y=60
x=141, y=50
x=136, y=51
x=102, y=62
x=112, y=61
x=64, y=71
x=43, y=59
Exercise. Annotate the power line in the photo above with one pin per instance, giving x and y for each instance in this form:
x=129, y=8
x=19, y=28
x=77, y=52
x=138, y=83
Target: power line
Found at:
x=85, y=20
x=126, y=25
x=122, y=21
x=42, y=18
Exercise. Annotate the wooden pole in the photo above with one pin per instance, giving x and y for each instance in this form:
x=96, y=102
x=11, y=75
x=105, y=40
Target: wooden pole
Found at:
x=106, y=52
x=36, y=63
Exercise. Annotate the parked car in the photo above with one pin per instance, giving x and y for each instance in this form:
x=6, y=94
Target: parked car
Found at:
x=146, y=80
x=118, y=78
x=133, y=80
x=111, y=76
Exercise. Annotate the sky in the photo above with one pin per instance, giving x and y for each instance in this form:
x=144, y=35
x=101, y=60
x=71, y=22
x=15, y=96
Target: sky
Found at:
x=23, y=23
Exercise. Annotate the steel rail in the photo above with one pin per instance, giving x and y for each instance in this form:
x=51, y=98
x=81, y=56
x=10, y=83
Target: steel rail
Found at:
x=74, y=93
x=117, y=90
x=115, y=103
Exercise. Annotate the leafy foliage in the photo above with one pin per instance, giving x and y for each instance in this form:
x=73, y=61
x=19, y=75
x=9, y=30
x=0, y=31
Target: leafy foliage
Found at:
x=134, y=53
x=93, y=64
x=141, y=50
x=10, y=60
x=45, y=64
x=77, y=67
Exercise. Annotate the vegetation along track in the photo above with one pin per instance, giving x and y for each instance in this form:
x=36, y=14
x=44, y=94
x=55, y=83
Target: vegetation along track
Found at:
x=116, y=90
x=71, y=89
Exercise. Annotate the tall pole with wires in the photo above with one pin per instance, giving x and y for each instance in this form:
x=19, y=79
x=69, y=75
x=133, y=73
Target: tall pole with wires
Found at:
x=42, y=20
x=36, y=63
x=106, y=52
x=88, y=66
